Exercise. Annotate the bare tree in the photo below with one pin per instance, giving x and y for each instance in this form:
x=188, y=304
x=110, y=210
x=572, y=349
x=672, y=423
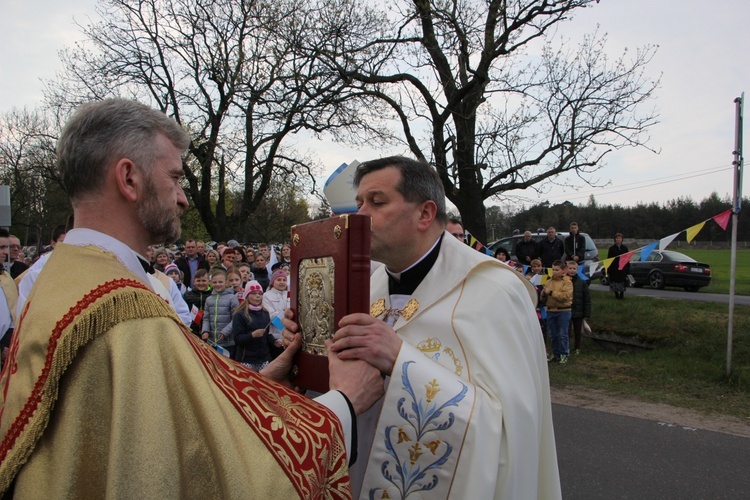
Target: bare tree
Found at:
x=27, y=165
x=231, y=73
x=466, y=97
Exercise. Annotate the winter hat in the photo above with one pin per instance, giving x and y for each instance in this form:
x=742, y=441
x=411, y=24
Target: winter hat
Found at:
x=232, y=244
x=277, y=274
x=171, y=268
x=252, y=286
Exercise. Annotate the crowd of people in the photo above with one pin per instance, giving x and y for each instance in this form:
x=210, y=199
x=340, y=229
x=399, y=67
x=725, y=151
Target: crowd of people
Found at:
x=552, y=266
x=234, y=293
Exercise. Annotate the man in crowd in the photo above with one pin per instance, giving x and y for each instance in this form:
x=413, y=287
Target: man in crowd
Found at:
x=551, y=248
x=8, y=298
x=575, y=245
x=527, y=249
x=190, y=262
x=468, y=400
x=17, y=265
x=456, y=229
x=201, y=249
x=110, y=395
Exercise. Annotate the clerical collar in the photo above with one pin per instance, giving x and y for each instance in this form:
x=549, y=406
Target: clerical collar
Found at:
x=405, y=282
x=146, y=265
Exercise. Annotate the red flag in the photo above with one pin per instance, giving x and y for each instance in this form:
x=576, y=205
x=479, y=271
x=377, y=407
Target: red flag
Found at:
x=723, y=219
x=624, y=259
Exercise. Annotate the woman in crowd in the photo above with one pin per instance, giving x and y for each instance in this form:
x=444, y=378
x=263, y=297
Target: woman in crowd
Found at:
x=250, y=330
x=617, y=276
x=286, y=253
x=161, y=258
x=213, y=258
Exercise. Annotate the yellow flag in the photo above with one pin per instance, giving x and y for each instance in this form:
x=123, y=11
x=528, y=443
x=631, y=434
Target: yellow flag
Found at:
x=608, y=262
x=692, y=232
x=544, y=279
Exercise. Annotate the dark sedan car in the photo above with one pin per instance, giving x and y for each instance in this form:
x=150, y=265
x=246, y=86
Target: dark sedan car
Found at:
x=667, y=268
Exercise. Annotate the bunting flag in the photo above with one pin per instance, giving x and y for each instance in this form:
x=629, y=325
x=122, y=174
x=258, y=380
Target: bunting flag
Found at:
x=608, y=262
x=723, y=219
x=664, y=242
x=594, y=268
x=581, y=274
x=624, y=259
x=476, y=244
x=646, y=251
x=692, y=232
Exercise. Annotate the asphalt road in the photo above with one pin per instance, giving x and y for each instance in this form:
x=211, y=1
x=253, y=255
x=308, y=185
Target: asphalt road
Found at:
x=607, y=456
x=678, y=294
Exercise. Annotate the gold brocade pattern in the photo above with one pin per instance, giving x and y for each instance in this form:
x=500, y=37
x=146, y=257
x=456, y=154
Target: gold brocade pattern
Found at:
x=298, y=434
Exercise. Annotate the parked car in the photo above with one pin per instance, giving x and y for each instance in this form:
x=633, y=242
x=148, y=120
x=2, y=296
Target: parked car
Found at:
x=591, y=256
x=667, y=268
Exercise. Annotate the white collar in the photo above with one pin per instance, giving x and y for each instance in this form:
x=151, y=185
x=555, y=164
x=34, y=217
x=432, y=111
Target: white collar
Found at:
x=126, y=255
x=398, y=275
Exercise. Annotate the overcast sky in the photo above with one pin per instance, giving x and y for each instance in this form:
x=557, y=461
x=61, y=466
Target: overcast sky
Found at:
x=702, y=56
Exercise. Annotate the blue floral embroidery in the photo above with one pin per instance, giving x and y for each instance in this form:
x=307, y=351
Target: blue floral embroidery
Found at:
x=408, y=474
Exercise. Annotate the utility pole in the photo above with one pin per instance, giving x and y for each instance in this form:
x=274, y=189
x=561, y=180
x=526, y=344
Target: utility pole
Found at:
x=736, y=206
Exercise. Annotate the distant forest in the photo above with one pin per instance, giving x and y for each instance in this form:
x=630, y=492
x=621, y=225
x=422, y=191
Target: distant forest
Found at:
x=642, y=221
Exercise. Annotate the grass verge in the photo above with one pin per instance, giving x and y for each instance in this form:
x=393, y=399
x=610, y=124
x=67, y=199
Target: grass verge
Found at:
x=686, y=366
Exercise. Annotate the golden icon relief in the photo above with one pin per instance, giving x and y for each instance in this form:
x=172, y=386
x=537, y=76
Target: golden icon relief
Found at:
x=316, y=304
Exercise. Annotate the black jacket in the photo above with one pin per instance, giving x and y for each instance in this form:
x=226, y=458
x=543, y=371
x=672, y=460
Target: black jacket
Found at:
x=575, y=245
x=253, y=350
x=550, y=251
x=613, y=272
x=581, y=307
x=184, y=266
x=198, y=299
x=527, y=249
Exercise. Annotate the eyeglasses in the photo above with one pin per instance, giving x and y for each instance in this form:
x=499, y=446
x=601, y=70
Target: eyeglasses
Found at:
x=3, y=247
x=15, y=247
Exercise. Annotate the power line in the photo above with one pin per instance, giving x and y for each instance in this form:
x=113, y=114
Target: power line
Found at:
x=640, y=184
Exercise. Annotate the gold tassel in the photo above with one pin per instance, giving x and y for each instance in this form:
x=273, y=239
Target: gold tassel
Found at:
x=96, y=319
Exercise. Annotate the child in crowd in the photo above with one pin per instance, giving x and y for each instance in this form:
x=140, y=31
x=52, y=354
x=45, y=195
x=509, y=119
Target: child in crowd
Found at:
x=260, y=271
x=503, y=256
x=580, y=309
x=174, y=272
x=534, y=273
x=250, y=329
x=235, y=283
x=246, y=273
x=196, y=299
x=558, y=294
x=217, y=316
x=536, y=277
x=275, y=300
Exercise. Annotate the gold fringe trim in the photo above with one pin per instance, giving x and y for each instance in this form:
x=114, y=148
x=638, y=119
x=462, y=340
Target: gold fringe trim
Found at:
x=96, y=319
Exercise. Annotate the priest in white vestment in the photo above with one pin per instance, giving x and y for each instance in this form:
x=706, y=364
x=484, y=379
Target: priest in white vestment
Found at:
x=467, y=410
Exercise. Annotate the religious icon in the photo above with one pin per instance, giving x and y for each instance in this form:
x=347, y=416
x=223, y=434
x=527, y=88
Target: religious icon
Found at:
x=316, y=304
